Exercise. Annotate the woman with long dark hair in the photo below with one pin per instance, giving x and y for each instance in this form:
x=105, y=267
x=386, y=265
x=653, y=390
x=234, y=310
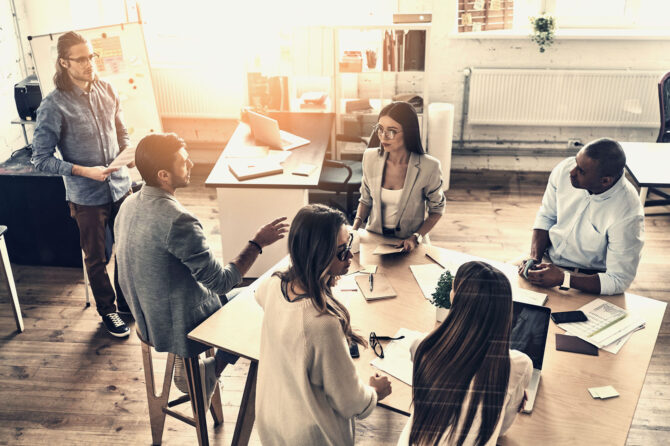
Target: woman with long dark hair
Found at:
x=308, y=390
x=400, y=181
x=468, y=385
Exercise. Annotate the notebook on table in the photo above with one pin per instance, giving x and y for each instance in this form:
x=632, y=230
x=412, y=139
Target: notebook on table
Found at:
x=530, y=325
x=247, y=169
x=266, y=131
x=381, y=287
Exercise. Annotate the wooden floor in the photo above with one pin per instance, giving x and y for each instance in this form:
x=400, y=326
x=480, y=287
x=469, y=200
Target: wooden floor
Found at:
x=65, y=381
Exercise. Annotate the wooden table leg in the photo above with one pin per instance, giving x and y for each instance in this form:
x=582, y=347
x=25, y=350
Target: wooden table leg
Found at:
x=247, y=414
x=195, y=385
x=6, y=268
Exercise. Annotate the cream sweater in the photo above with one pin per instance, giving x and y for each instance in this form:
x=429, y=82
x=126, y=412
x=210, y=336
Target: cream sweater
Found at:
x=308, y=391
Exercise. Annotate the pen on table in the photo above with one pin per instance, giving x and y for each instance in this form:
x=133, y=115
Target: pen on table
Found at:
x=371, y=281
x=608, y=325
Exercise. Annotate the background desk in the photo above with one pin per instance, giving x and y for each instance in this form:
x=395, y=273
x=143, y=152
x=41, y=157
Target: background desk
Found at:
x=33, y=207
x=647, y=163
x=564, y=411
x=244, y=206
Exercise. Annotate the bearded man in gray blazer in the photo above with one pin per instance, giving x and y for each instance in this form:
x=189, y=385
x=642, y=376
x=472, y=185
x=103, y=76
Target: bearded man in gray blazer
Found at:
x=167, y=271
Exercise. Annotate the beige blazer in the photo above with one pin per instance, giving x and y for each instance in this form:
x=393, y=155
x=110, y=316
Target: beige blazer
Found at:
x=422, y=190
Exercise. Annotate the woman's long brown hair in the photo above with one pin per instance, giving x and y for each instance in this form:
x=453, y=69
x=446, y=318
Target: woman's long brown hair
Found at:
x=312, y=244
x=470, y=348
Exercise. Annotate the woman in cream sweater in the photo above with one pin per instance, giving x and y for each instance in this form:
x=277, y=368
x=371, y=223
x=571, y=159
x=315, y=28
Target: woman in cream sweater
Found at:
x=400, y=181
x=308, y=391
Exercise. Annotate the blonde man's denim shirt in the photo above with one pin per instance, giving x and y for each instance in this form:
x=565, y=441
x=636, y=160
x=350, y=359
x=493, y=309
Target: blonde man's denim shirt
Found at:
x=88, y=130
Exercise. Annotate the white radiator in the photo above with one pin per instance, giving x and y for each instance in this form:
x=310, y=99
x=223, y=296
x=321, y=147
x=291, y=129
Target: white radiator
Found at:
x=196, y=93
x=593, y=98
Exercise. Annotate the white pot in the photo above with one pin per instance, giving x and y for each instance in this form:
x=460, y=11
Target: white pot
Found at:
x=441, y=314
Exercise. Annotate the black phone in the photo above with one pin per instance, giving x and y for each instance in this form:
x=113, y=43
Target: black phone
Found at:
x=353, y=350
x=564, y=317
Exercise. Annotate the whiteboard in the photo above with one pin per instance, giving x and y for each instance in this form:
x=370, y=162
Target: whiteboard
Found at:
x=123, y=63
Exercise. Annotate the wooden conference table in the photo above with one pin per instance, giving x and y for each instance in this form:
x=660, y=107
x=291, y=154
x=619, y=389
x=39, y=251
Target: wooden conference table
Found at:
x=564, y=411
x=245, y=206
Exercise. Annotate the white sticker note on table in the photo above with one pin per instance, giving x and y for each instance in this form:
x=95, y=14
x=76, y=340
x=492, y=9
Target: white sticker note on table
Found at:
x=603, y=392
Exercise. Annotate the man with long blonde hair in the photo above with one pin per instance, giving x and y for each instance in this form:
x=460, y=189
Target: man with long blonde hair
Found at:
x=82, y=117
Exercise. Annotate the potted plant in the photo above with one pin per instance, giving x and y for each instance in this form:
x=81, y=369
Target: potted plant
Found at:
x=543, y=30
x=441, y=297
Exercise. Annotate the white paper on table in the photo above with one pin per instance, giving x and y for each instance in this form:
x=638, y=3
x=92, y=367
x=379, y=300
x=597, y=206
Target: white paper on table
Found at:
x=347, y=283
x=387, y=248
x=509, y=270
x=240, y=151
x=278, y=156
x=615, y=346
x=606, y=323
x=397, y=360
x=427, y=276
x=124, y=158
x=356, y=242
x=528, y=296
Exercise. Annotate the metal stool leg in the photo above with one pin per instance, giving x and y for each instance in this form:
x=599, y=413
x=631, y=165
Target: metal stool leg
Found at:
x=9, y=280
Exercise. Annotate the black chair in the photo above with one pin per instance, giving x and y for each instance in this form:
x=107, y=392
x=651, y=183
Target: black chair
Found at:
x=345, y=176
x=663, y=134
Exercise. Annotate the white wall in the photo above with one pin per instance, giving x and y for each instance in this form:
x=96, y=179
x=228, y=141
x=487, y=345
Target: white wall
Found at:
x=10, y=73
x=450, y=56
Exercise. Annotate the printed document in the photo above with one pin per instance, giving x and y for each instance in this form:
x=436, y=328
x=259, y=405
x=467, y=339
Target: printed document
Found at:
x=606, y=324
x=126, y=157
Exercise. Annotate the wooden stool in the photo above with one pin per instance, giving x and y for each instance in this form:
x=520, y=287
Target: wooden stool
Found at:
x=160, y=406
x=7, y=276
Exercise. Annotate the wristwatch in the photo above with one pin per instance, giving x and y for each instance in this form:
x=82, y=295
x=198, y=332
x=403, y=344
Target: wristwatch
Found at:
x=566, y=281
x=418, y=236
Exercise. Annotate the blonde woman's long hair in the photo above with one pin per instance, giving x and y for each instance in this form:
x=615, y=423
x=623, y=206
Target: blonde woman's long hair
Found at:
x=312, y=245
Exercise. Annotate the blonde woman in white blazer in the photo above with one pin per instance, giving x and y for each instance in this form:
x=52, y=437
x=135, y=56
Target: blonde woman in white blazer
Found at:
x=400, y=181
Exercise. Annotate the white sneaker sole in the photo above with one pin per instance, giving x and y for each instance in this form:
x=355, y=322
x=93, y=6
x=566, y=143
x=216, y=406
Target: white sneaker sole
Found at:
x=116, y=335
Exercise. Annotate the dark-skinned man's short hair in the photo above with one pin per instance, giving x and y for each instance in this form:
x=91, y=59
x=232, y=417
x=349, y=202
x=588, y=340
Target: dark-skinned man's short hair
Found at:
x=156, y=152
x=609, y=155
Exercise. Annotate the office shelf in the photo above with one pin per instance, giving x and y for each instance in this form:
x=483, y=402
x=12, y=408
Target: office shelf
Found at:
x=374, y=63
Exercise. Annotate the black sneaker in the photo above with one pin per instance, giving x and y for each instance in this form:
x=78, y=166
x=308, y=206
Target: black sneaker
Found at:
x=115, y=325
x=123, y=308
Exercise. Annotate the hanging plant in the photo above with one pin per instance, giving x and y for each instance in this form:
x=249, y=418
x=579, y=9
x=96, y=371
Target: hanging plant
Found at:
x=543, y=30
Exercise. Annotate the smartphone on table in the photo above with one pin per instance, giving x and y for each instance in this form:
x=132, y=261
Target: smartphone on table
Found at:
x=353, y=350
x=564, y=317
